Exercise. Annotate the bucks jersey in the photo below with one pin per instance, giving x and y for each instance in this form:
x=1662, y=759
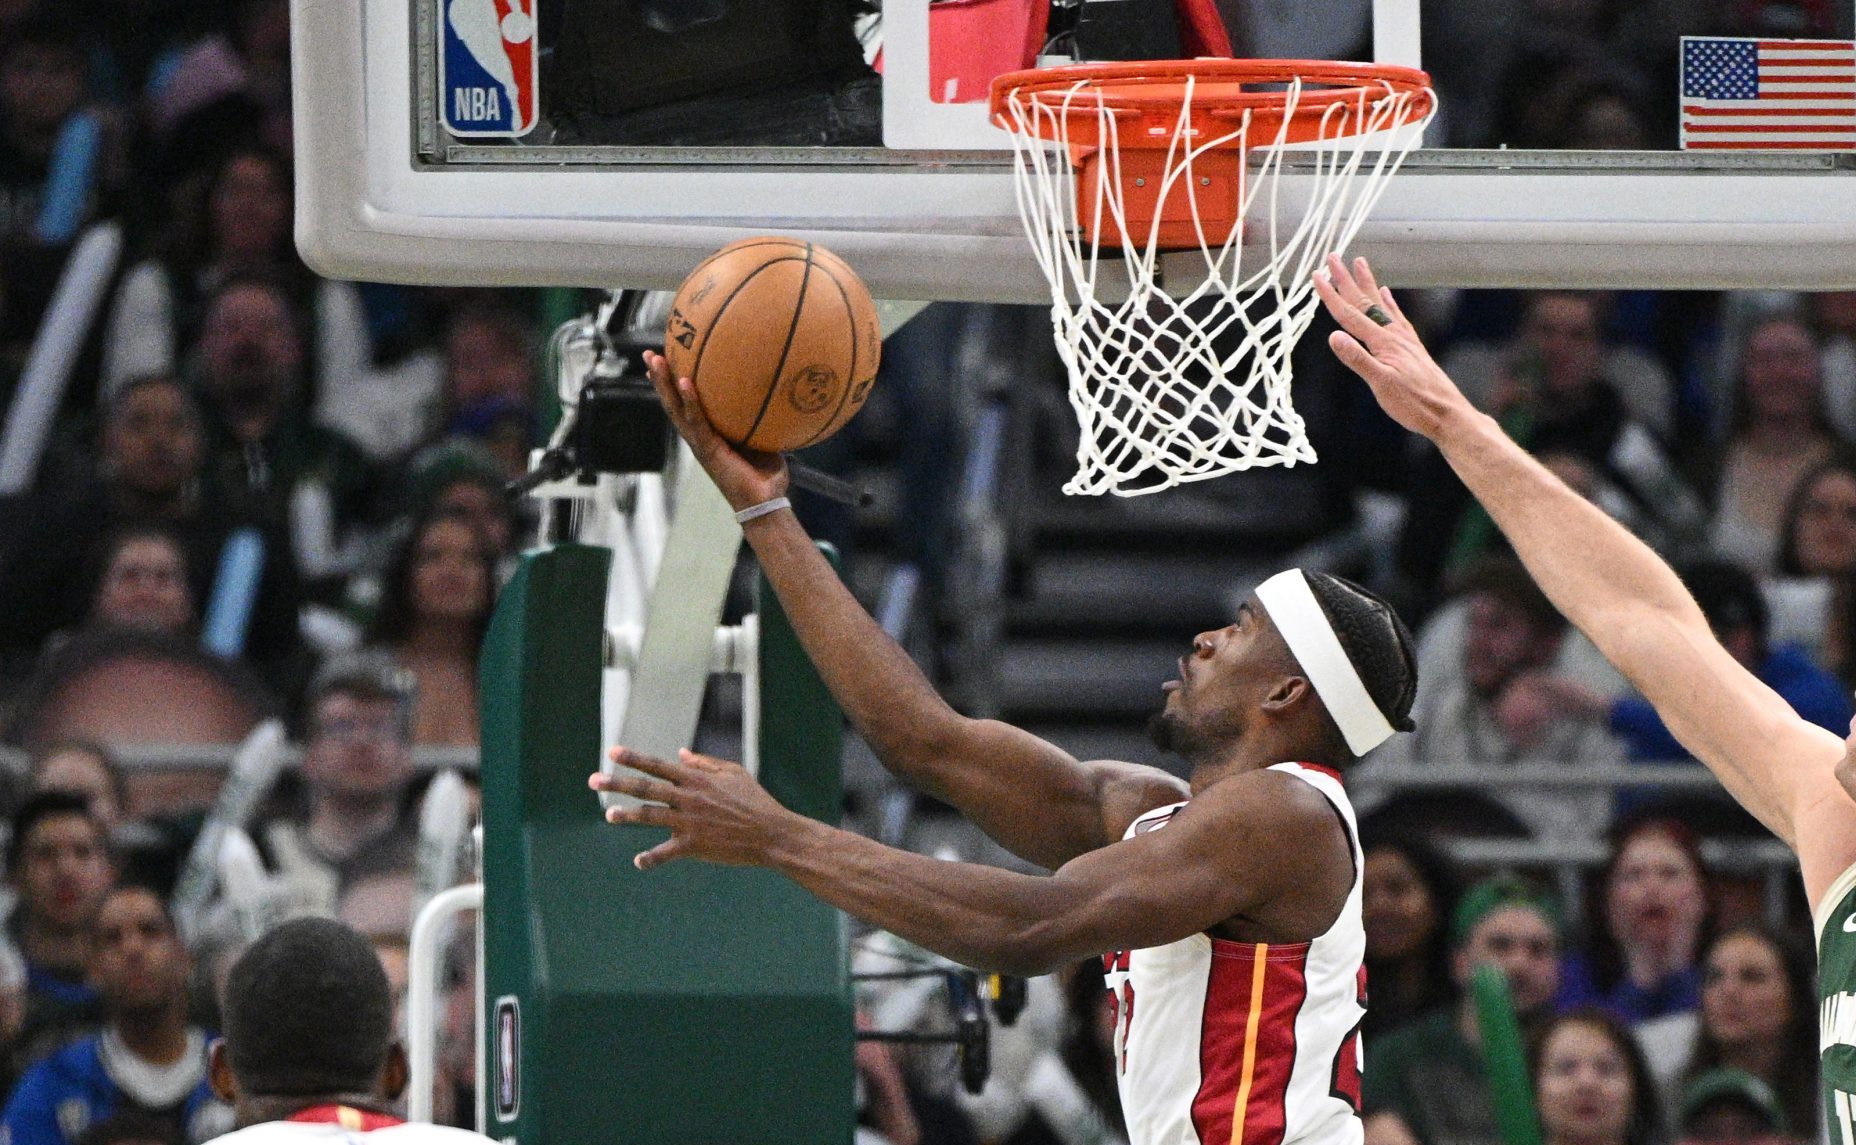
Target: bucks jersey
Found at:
x=1836, y=996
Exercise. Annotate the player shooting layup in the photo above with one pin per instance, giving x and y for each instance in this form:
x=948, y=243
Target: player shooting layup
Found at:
x=1231, y=905
x=1795, y=777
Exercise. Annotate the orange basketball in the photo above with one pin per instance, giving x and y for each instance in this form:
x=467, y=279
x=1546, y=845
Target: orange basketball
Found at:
x=780, y=338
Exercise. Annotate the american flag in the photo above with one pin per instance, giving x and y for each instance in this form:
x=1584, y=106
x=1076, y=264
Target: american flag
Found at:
x=1768, y=95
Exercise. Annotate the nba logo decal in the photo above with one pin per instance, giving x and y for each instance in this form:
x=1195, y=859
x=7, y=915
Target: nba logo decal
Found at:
x=487, y=68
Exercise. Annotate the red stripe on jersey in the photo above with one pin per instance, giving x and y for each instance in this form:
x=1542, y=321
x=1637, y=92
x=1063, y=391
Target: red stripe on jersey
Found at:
x=1247, y=1041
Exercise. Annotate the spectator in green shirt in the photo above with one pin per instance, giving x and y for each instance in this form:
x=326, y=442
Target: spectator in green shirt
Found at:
x=1425, y=1084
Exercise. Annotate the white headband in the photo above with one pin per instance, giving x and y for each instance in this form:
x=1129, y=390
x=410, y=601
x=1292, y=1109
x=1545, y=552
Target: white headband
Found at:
x=1305, y=629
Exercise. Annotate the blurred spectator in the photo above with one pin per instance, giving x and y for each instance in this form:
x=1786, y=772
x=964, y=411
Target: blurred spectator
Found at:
x=1814, y=595
x=84, y=768
x=267, y=459
x=1736, y=610
x=142, y=583
x=1653, y=912
x=1779, y=433
x=60, y=164
x=357, y=764
x=440, y=590
x=119, y=686
x=462, y=478
x=1591, y=1085
x=1559, y=387
x=1833, y=316
x=234, y=221
x=1601, y=113
x=1758, y=1015
x=1427, y=1083
x=884, y=1115
x=228, y=90
x=12, y=1012
x=1730, y=1107
x=1557, y=37
x=1499, y=706
x=147, y=1057
x=1408, y=894
x=489, y=394
x=60, y=868
x=150, y=455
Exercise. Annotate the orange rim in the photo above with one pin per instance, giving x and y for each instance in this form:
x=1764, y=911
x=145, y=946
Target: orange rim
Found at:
x=1146, y=98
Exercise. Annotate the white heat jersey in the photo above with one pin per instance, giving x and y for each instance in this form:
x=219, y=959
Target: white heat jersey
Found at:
x=351, y=1133
x=1238, y=1043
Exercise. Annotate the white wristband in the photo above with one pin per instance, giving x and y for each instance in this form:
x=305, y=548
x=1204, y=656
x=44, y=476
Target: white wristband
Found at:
x=762, y=509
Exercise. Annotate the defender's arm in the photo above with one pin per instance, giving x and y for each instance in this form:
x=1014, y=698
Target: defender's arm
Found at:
x=1613, y=588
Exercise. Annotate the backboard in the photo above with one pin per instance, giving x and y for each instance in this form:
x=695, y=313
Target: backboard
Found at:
x=482, y=141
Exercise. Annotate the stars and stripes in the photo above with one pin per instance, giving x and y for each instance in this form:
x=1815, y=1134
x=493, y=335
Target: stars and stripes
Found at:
x=1770, y=95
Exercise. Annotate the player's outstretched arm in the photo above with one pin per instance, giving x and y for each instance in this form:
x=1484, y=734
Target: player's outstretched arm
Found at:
x=1033, y=798
x=1607, y=582
x=1243, y=842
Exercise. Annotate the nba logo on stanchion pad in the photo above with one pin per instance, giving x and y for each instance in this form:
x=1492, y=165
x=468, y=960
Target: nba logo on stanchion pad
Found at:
x=487, y=68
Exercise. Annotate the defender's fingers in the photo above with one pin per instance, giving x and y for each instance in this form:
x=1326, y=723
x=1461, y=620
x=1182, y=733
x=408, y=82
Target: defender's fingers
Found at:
x=664, y=852
x=644, y=814
x=1351, y=318
x=1363, y=275
x=1391, y=303
x=649, y=764
x=637, y=786
x=1358, y=358
x=1343, y=281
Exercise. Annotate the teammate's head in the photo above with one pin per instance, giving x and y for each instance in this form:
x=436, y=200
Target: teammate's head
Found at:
x=308, y=1015
x=1326, y=662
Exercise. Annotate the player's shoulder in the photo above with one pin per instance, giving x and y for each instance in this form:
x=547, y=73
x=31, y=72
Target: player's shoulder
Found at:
x=308, y=1133
x=1128, y=791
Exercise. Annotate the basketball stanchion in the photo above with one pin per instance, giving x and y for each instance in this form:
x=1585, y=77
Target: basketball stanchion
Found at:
x=1180, y=368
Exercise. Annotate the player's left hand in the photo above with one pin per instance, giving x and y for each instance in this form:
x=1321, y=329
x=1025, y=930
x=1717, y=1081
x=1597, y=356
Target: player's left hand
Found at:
x=714, y=809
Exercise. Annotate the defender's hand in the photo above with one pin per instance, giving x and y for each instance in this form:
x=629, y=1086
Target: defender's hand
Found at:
x=1409, y=384
x=745, y=476
x=713, y=808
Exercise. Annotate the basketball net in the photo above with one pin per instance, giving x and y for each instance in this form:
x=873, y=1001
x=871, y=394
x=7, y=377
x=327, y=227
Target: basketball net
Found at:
x=1176, y=388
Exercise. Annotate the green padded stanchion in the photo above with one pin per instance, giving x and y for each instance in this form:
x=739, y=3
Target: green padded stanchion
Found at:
x=691, y=1005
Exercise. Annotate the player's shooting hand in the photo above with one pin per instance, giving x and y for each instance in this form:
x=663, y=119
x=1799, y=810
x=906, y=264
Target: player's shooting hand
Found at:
x=714, y=809
x=1377, y=342
x=745, y=476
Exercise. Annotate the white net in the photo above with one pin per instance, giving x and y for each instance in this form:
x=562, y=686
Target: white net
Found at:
x=1187, y=386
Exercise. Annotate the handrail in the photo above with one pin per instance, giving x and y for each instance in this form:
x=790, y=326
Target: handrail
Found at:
x=423, y=953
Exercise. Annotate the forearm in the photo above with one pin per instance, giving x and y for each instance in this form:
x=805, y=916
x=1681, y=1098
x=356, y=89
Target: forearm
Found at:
x=1592, y=568
x=887, y=698
x=983, y=917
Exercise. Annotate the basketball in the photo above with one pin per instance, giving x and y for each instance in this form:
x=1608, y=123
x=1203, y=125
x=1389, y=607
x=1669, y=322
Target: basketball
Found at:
x=780, y=338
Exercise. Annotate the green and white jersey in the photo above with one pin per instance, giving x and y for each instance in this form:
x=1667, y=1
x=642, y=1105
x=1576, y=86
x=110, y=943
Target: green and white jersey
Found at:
x=1836, y=996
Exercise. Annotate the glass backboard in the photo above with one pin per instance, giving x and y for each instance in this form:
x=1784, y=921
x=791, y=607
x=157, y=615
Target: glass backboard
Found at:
x=617, y=142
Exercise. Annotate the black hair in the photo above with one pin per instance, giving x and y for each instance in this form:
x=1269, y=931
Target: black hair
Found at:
x=48, y=805
x=1377, y=644
x=1795, y=1081
x=1442, y=883
x=1729, y=597
x=394, y=622
x=1841, y=461
x=308, y=1012
x=110, y=545
x=1645, y=1110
